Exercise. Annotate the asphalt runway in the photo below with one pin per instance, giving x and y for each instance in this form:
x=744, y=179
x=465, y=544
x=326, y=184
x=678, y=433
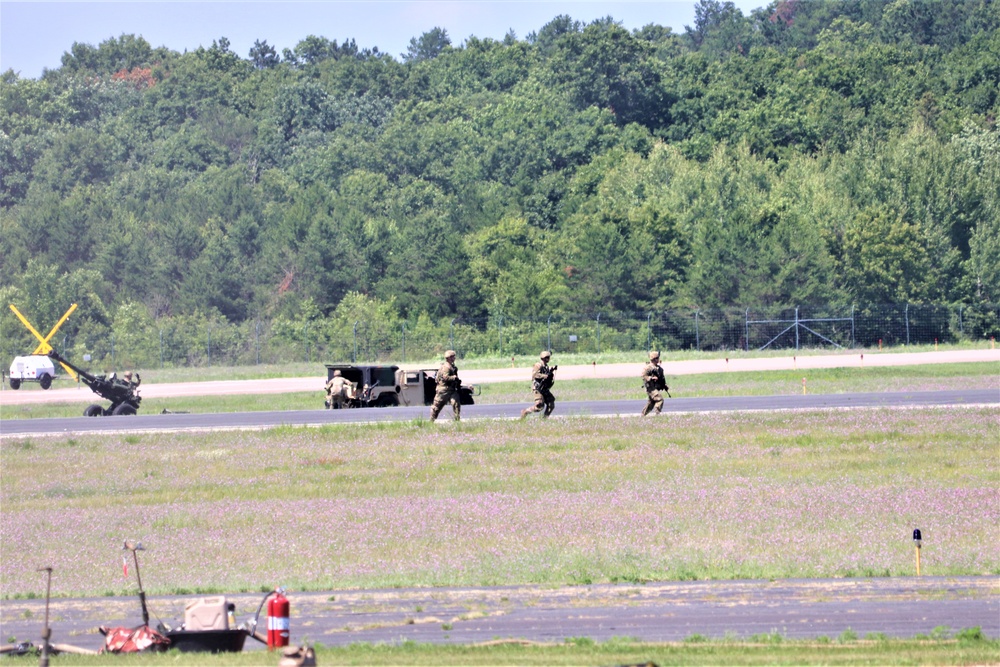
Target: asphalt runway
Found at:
x=653, y=612
x=255, y=420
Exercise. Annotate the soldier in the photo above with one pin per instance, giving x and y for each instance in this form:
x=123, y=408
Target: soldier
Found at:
x=129, y=381
x=336, y=391
x=448, y=386
x=542, y=378
x=653, y=380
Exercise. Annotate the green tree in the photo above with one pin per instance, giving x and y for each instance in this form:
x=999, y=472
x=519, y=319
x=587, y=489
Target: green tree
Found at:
x=429, y=45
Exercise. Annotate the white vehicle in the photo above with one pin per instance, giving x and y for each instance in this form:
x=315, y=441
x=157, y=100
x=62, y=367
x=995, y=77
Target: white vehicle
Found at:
x=32, y=368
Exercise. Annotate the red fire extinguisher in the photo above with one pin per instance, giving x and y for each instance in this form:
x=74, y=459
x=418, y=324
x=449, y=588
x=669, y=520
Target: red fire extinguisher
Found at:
x=277, y=621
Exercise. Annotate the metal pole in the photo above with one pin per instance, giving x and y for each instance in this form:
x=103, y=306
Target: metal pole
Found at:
x=796, y=328
x=209, y=346
x=746, y=328
x=451, y=334
x=961, y=327
x=598, y=333
x=854, y=342
x=256, y=340
x=112, y=349
x=355, y=358
x=906, y=316
x=500, y=334
x=161, y=348
x=697, y=333
x=548, y=326
x=404, y=342
x=649, y=332
x=43, y=660
x=305, y=335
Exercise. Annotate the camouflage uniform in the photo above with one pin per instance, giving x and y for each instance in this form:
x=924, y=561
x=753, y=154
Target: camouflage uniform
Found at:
x=653, y=380
x=336, y=391
x=448, y=388
x=542, y=378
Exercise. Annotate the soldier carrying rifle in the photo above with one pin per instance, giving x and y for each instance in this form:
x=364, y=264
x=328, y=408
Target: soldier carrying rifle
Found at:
x=654, y=382
x=542, y=378
x=448, y=388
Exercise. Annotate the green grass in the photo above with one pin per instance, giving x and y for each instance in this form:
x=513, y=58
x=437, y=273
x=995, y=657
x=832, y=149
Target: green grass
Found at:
x=576, y=652
x=819, y=381
x=501, y=502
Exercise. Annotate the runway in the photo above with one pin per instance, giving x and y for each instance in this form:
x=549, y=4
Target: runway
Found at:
x=567, y=409
x=650, y=612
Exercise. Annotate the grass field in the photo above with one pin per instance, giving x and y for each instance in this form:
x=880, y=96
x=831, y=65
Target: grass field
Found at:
x=757, y=496
x=565, y=501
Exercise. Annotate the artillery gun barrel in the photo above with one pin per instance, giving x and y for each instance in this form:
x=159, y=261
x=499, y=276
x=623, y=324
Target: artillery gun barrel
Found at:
x=87, y=377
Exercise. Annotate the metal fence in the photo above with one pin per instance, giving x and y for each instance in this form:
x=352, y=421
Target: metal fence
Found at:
x=203, y=343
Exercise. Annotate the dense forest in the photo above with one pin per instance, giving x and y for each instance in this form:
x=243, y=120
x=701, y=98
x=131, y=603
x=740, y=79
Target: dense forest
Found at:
x=813, y=152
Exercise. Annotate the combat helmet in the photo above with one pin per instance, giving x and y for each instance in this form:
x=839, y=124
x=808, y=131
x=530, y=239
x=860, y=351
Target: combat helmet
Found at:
x=545, y=355
x=654, y=355
x=449, y=354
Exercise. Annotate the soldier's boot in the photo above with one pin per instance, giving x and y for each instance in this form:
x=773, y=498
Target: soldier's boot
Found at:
x=645, y=411
x=524, y=413
x=434, y=414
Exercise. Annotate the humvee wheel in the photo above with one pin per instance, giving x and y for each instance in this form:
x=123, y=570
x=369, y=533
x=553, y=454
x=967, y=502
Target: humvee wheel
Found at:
x=387, y=401
x=45, y=380
x=15, y=383
x=93, y=410
x=123, y=409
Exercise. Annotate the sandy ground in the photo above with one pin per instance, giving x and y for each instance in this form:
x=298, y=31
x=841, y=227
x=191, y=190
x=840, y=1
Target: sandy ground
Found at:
x=81, y=394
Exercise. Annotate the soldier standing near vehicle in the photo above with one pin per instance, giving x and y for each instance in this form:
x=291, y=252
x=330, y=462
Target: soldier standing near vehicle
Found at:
x=653, y=380
x=448, y=386
x=336, y=391
x=542, y=378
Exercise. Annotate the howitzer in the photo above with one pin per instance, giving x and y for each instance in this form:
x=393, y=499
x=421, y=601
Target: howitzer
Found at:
x=124, y=396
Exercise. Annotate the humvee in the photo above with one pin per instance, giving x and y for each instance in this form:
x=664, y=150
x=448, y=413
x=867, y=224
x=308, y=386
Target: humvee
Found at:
x=387, y=386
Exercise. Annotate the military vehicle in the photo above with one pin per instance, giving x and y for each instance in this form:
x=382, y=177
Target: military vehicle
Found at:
x=382, y=386
x=124, y=396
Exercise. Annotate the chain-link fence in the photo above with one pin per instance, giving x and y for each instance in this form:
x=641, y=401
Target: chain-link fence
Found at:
x=194, y=343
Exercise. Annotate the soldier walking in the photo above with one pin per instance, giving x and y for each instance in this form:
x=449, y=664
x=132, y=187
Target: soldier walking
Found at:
x=653, y=380
x=542, y=379
x=336, y=390
x=448, y=388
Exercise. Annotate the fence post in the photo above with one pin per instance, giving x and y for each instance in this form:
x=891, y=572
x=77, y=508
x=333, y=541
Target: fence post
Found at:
x=548, y=328
x=112, y=350
x=305, y=334
x=500, y=334
x=854, y=341
x=161, y=349
x=598, y=333
x=404, y=342
x=256, y=340
x=209, y=345
x=451, y=334
x=697, y=333
x=796, y=328
x=746, y=329
x=961, y=326
x=649, y=332
x=354, y=359
x=906, y=316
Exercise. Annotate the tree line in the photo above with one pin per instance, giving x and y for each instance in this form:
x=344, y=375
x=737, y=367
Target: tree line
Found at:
x=813, y=152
